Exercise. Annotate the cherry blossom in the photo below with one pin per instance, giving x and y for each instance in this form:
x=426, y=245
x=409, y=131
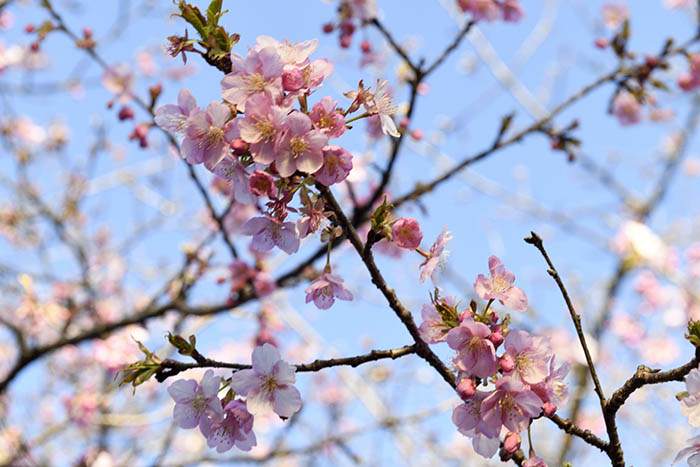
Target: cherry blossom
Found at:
x=693, y=449
x=235, y=429
x=300, y=147
x=269, y=232
x=476, y=354
x=511, y=405
x=337, y=164
x=173, y=117
x=626, y=108
x=436, y=256
x=325, y=117
x=259, y=73
x=531, y=355
x=614, y=14
x=500, y=286
x=324, y=290
x=208, y=134
x=469, y=421
x=196, y=402
x=690, y=405
x=269, y=385
x=261, y=127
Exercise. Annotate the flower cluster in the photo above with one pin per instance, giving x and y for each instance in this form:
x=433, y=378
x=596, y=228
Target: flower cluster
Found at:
x=267, y=386
x=268, y=142
x=523, y=381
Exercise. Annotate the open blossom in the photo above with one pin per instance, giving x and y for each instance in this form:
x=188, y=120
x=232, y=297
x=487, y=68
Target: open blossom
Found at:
x=626, y=108
x=512, y=11
x=235, y=429
x=324, y=290
x=531, y=355
x=302, y=80
x=314, y=215
x=500, y=286
x=693, y=449
x=337, y=164
x=172, y=117
x=268, y=232
x=467, y=417
x=259, y=73
x=380, y=103
x=261, y=126
x=690, y=405
x=436, y=256
x=195, y=402
x=327, y=119
x=637, y=242
x=406, y=233
x=291, y=54
x=614, y=14
x=269, y=385
x=434, y=329
x=476, y=354
x=534, y=461
x=300, y=147
x=553, y=389
x=208, y=134
x=231, y=169
x=510, y=405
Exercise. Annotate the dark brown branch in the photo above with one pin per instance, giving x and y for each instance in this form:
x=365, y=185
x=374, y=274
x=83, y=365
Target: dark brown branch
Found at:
x=571, y=428
x=450, y=48
x=395, y=45
x=172, y=367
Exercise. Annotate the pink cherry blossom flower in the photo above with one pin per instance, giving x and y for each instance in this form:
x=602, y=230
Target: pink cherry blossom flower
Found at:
x=531, y=355
x=690, y=405
x=510, y=405
x=327, y=119
x=468, y=420
x=406, y=233
x=324, y=290
x=553, y=389
x=241, y=273
x=300, y=147
x=261, y=183
x=263, y=284
x=172, y=117
x=380, y=103
x=261, y=127
x=119, y=79
x=268, y=232
x=436, y=256
x=481, y=9
x=235, y=429
x=259, y=73
x=196, y=402
x=302, y=80
x=434, y=329
x=269, y=385
x=476, y=354
x=208, y=135
x=694, y=448
x=614, y=14
x=511, y=442
x=500, y=286
x=314, y=215
x=337, y=164
x=626, y=108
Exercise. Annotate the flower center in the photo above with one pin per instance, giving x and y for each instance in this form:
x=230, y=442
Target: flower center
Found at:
x=256, y=82
x=499, y=284
x=298, y=146
x=265, y=129
x=213, y=135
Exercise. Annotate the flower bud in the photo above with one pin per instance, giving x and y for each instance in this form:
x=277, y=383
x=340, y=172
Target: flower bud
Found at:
x=125, y=113
x=466, y=388
x=417, y=134
x=496, y=338
x=345, y=41
x=292, y=80
x=239, y=146
x=328, y=28
x=549, y=408
x=601, y=42
x=365, y=46
x=511, y=442
x=507, y=363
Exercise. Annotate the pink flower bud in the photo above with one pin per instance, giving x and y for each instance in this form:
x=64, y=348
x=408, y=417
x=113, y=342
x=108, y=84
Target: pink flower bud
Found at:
x=345, y=41
x=365, y=46
x=347, y=28
x=87, y=32
x=404, y=122
x=423, y=89
x=29, y=28
x=496, y=338
x=261, y=183
x=239, y=146
x=417, y=134
x=292, y=80
x=511, y=442
x=549, y=408
x=328, y=28
x=507, y=363
x=126, y=113
x=601, y=42
x=466, y=388
x=687, y=82
x=406, y=232
x=465, y=314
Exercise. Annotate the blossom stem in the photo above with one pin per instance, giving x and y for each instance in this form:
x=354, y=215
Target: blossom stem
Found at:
x=364, y=115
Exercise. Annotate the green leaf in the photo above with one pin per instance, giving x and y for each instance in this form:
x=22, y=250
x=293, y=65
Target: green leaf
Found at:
x=192, y=15
x=213, y=14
